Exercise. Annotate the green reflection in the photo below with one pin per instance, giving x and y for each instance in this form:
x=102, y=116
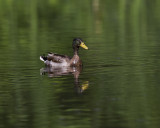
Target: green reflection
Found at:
x=121, y=65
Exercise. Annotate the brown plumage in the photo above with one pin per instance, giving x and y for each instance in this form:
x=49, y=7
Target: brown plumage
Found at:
x=57, y=60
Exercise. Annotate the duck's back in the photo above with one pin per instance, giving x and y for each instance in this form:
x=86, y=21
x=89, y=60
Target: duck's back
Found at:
x=56, y=60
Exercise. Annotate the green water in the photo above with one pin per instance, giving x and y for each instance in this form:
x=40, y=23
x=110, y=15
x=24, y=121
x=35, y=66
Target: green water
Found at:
x=119, y=83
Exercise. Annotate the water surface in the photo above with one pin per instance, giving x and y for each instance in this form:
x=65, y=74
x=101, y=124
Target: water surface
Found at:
x=119, y=83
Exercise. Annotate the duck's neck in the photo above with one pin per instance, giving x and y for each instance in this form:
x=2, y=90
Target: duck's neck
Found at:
x=76, y=51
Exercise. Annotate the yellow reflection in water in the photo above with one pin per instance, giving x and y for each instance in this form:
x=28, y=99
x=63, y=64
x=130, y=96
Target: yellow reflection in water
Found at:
x=63, y=71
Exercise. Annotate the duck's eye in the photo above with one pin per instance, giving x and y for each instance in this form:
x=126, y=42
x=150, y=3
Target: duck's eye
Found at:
x=77, y=42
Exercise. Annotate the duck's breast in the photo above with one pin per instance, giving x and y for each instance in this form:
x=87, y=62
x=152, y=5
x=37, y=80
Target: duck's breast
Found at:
x=75, y=61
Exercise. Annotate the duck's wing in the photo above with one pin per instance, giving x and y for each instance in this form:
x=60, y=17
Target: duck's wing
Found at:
x=57, y=57
x=54, y=57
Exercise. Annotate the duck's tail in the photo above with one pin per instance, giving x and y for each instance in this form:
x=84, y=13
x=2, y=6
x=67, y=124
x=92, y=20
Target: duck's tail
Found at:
x=43, y=58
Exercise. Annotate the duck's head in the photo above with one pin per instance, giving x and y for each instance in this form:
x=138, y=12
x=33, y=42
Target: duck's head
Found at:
x=77, y=42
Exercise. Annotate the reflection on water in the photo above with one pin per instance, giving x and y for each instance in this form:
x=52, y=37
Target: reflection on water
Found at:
x=62, y=71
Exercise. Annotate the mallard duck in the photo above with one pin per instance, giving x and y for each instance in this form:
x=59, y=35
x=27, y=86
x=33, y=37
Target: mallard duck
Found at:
x=56, y=60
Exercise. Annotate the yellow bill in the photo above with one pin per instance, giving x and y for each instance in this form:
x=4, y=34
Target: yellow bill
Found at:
x=83, y=45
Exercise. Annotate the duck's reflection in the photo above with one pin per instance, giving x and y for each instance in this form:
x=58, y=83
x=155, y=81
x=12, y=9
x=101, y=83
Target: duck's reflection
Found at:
x=75, y=71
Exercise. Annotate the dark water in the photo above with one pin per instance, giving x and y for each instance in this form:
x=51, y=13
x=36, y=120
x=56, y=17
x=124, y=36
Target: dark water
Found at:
x=119, y=83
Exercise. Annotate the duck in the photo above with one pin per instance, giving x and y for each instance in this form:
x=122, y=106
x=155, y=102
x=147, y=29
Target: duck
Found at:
x=59, y=61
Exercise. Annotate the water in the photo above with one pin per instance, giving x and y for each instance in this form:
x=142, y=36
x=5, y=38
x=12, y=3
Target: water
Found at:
x=119, y=83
